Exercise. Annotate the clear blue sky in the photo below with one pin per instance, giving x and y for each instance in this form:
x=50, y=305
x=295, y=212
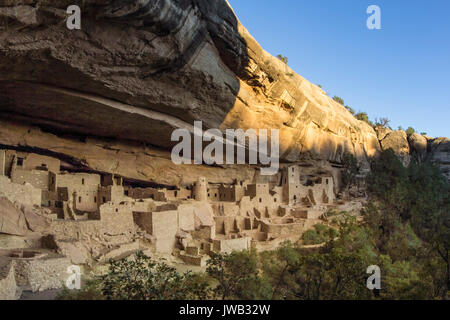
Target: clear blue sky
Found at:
x=401, y=72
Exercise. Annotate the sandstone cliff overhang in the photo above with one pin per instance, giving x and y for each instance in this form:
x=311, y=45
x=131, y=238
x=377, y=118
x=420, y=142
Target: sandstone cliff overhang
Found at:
x=138, y=69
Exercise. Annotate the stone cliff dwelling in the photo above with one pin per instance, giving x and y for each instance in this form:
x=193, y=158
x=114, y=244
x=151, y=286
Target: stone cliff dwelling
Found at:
x=88, y=218
x=86, y=173
x=90, y=213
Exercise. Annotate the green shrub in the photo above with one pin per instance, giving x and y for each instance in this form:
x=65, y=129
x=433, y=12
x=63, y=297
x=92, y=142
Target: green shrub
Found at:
x=91, y=291
x=283, y=58
x=350, y=170
x=383, y=122
x=338, y=100
x=351, y=110
x=362, y=116
x=237, y=276
x=410, y=131
x=320, y=234
x=141, y=278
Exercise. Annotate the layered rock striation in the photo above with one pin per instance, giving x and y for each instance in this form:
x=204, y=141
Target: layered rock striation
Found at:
x=108, y=96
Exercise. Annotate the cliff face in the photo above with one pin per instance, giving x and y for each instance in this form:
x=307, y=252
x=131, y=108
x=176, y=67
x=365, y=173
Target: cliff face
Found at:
x=113, y=92
x=439, y=151
x=420, y=147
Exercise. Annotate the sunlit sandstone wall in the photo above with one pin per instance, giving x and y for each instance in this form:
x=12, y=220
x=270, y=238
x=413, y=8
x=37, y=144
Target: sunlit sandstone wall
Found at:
x=148, y=72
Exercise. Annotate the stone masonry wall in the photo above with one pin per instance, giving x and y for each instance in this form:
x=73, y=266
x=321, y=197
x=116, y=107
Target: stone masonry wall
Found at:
x=8, y=287
x=24, y=194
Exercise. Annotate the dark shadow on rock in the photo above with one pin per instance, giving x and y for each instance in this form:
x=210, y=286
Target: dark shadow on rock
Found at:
x=135, y=71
